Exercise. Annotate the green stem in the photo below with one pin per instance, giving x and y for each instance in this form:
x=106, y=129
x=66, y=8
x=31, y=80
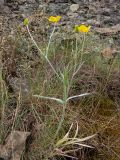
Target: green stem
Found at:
x=52, y=67
x=45, y=56
x=61, y=120
x=34, y=41
x=65, y=95
x=50, y=41
x=83, y=47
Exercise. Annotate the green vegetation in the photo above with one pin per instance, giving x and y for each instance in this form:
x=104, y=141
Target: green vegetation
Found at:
x=72, y=109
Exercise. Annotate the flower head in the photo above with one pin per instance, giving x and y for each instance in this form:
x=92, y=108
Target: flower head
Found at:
x=26, y=22
x=82, y=28
x=54, y=19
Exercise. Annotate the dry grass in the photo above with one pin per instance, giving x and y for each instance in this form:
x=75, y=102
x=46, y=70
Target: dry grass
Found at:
x=97, y=114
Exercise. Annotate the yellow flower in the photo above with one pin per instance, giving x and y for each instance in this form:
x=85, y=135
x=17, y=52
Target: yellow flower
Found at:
x=54, y=19
x=82, y=28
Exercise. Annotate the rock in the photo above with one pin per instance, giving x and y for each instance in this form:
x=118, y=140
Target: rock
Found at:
x=93, y=22
x=72, y=15
x=61, y=1
x=19, y=86
x=14, y=146
x=4, y=9
x=1, y=5
x=76, y=1
x=1, y=2
x=31, y=1
x=108, y=30
x=57, y=8
x=74, y=7
x=9, y=1
x=106, y=12
x=108, y=20
x=26, y=10
x=43, y=7
x=109, y=52
x=21, y=1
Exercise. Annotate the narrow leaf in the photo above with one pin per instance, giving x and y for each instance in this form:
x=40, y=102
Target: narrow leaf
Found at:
x=76, y=96
x=65, y=138
x=49, y=98
x=76, y=132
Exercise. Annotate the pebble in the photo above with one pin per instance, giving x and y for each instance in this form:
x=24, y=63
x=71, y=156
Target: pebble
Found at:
x=74, y=7
x=72, y=15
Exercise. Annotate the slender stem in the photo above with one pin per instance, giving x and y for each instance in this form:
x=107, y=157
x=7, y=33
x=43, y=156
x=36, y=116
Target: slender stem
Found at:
x=46, y=58
x=66, y=89
x=61, y=120
x=83, y=46
x=76, y=50
x=50, y=41
x=74, y=73
x=53, y=68
x=65, y=95
x=34, y=41
x=76, y=54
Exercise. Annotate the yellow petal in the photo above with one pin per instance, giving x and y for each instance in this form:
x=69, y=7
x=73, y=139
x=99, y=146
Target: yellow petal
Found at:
x=83, y=28
x=58, y=18
x=51, y=19
x=54, y=19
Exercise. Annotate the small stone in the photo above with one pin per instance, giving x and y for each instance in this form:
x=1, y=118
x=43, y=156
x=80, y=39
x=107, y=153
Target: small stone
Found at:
x=74, y=7
x=6, y=9
x=72, y=15
x=21, y=2
x=93, y=22
x=106, y=12
x=31, y=1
